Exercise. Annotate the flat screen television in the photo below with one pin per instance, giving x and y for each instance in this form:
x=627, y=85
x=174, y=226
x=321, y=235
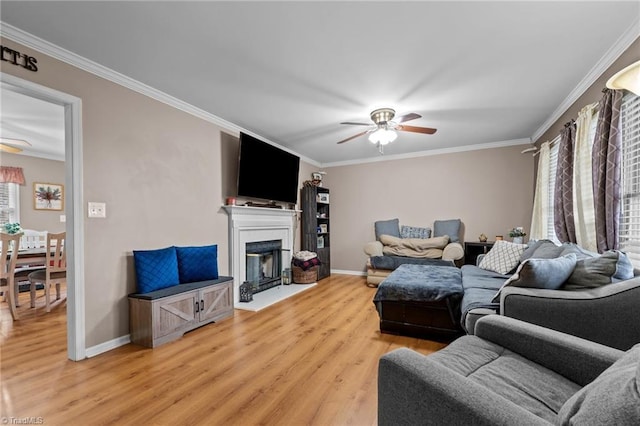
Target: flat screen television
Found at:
x=267, y=172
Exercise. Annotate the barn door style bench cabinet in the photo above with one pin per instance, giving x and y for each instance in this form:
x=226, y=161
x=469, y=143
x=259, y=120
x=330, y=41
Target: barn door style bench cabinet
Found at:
x=164, y=315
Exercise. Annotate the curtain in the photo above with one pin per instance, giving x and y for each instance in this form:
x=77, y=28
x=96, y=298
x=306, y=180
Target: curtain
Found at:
x=563, y=198
x=607, y=152
x=583, y=205
x=11, y=175
x=541, y=201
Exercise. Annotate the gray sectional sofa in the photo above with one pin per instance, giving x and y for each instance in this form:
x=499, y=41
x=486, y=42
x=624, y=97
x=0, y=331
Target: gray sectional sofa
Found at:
x=594, y=303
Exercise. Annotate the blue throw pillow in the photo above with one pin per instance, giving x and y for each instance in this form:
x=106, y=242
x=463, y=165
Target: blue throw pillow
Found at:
x=387, y=227
x=197, y=263
x=156, y=269
x=447, y=227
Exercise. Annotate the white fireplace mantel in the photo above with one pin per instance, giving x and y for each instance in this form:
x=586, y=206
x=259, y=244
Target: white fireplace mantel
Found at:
x=251, y=224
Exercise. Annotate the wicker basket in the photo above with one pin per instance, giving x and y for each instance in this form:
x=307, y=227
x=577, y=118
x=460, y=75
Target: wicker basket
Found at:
x=305, y=277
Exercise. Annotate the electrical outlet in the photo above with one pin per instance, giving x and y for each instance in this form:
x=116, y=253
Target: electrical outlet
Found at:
x=97, y=210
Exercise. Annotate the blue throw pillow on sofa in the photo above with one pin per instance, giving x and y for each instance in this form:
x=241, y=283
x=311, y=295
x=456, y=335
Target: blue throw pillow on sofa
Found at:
x=156, y=269
x=449, y=227
x=387, y=227
x=197, y=263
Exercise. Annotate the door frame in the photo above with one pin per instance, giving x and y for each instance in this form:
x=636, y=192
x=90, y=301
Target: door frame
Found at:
x=76, y=349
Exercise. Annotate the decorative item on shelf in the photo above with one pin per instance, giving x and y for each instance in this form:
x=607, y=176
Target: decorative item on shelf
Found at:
x=316, y=178
x=517, y=234
x=322, y=197
x=12, y=228
x=323, y=228
x=498, y=237
x=482, y=238
x=286, y=276
x=246, y=294
x=231, y=201
x=320, y=242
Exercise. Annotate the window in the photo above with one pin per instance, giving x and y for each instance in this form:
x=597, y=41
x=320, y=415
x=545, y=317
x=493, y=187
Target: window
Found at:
x=553, y=167
x=9, y=203
x=629, y=232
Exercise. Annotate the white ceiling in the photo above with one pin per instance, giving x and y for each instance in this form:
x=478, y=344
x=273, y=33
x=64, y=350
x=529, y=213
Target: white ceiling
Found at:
x=290, y=72
x=38, y=122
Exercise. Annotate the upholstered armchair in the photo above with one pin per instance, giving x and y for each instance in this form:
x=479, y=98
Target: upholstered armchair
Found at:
x=396, y=245
x=511, y=373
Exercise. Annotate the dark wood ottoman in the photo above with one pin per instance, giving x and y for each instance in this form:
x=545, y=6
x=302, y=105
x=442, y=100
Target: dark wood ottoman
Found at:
x=421, y=300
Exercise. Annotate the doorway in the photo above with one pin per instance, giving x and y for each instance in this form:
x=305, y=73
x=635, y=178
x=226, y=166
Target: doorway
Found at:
x=73, y=210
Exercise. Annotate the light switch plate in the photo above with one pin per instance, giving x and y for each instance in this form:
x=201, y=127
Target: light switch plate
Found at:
x=97, y=209
x=63, y=218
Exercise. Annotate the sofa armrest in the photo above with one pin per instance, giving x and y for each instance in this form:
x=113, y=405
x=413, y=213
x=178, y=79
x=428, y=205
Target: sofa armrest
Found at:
x=374, y=248
x=453, y=251
x=414, y=390
x=608, y=315
x=578, y=359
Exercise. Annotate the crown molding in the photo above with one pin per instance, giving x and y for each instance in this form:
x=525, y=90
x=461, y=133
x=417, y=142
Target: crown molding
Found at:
x=64, y=55
x=453, y=150
x=614, y=52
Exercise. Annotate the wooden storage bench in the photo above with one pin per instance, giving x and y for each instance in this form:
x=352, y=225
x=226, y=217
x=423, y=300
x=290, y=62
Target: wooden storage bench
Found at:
x=164, y=315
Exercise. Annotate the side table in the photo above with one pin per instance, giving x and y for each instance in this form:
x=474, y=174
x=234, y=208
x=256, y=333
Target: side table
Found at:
x=474, y=248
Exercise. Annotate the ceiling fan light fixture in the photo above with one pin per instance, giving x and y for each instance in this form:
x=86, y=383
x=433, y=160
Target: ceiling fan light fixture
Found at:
x=9, y=145
x=627, y=78
x=383, y=136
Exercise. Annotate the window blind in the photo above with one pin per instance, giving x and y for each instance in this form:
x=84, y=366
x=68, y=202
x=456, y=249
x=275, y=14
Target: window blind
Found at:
x=553, y=167
x=8, y=203
x=629, y=232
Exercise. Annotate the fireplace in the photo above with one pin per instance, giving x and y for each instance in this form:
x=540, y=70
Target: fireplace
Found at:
x=252, y=225
x=264, y=264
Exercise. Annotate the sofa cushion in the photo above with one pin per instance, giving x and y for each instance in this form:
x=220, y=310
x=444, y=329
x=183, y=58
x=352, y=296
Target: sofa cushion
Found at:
x=544, y=249
x=611, y=399
x=387, y=227
x=532, y=246
x=197, y=263
x=515, y=378
x=503, y=257
x=414, y=232
x=156, y=269
x=449, y=227
x=541, y=273
x=590, y=272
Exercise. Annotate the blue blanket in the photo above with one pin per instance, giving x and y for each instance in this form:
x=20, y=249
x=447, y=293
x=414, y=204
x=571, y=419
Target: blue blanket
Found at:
x=420, y=283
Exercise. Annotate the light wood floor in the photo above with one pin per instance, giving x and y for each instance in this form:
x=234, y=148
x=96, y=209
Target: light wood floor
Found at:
x=309, y=360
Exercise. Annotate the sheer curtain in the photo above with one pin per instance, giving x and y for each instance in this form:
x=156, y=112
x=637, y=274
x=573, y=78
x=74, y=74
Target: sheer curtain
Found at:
x=584, y=215
x=607, y=153
x=541, y=200
x=563, y=200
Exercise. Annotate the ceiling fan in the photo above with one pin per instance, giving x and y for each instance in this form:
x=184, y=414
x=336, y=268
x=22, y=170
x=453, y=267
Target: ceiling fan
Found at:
x=384, y=127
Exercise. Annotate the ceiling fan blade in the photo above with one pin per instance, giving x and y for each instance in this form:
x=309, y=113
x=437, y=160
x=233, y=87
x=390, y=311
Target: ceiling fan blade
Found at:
x=416, y=129
x=356, y=124
x=354, y=136
x=406, y=117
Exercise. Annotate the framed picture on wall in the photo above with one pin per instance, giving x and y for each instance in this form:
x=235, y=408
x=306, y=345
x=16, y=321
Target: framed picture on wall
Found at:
x=48, y=196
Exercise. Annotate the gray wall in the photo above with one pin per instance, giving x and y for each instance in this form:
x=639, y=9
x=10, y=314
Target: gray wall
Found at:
x=490, y=190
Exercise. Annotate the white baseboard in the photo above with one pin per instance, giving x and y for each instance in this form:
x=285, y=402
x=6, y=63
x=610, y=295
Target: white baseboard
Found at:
x=107, y=346
x=342, y=271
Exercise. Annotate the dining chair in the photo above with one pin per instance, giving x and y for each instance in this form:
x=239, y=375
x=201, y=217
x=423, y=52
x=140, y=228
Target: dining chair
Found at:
x=33, y=239
x=55, y=270
x=9, y=252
